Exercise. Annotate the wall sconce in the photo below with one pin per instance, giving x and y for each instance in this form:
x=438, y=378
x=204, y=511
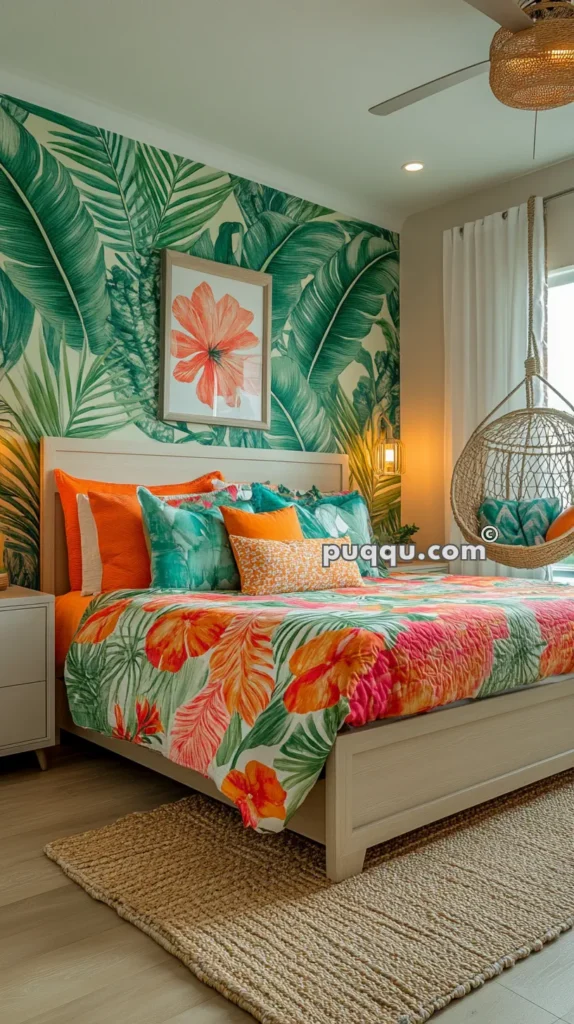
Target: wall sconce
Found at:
x=389, y=452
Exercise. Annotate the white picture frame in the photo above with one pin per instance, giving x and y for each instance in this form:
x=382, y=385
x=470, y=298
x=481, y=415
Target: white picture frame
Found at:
x=215, y=343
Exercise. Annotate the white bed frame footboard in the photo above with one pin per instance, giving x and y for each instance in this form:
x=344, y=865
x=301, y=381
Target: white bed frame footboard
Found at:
x=385, y=779
x=392, y=777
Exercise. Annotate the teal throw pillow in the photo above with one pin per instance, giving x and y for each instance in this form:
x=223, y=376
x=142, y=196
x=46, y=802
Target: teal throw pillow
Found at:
x=523, y=523
x=536, y=518
x=189, y=545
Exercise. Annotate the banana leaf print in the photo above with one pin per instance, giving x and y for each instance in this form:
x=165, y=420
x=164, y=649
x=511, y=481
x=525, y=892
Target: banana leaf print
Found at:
x=84, y=213
x=278, y=245
x=104, y=165
x=53, y=254
x=16, y=319
x=254, y=200
x=298, y=419
x=302, y=757
x=15, y=108
x=337, y=308
x=227, y=246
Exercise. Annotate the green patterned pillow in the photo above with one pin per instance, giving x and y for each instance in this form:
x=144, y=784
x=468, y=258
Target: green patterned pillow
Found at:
x=189, y=545
x=523, y=523
x=265, y=499
x=332, y=515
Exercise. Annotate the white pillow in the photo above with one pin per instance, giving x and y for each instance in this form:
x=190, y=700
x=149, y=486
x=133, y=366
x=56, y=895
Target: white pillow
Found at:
x=91, y=562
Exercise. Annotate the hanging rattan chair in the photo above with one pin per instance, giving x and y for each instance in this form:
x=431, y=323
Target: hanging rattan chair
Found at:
x=523, y=455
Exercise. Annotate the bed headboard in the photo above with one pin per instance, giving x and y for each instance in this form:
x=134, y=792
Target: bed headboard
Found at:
x=152, y=462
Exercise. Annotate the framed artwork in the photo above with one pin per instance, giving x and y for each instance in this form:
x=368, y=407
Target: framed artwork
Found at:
x=216, y=343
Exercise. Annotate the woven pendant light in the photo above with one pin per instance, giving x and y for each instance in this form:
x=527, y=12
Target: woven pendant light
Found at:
x=523, y=455
x=534, y=69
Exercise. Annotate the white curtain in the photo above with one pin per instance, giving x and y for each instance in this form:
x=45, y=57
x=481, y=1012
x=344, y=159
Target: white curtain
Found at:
x=485, y=281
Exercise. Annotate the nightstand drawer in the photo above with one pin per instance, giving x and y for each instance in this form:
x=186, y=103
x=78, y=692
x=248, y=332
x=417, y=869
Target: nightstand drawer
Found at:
x=22, y=645
x=22, y=714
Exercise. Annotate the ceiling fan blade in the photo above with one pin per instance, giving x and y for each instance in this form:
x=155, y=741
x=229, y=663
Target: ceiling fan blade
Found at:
x=428, y=89
x=506, y=12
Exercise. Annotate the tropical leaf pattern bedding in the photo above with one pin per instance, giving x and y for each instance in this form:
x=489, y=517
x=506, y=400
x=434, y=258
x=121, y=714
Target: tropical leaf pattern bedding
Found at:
x=252, y=691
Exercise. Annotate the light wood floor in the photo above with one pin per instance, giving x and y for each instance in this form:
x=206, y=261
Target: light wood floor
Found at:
x=66, y=959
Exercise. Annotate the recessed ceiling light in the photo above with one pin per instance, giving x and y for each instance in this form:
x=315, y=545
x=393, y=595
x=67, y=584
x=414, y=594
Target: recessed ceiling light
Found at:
x=414, y=165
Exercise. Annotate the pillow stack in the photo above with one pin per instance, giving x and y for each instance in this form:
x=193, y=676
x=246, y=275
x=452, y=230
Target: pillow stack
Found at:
x=231, y=546
x=327, y=515
x=119, y=531
x=205, y=535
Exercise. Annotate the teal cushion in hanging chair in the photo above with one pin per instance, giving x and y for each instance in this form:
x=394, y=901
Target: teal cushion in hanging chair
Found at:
x=519, y=522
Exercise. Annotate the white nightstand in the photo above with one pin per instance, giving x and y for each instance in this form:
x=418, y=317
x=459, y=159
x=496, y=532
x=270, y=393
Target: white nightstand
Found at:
x=27, y=718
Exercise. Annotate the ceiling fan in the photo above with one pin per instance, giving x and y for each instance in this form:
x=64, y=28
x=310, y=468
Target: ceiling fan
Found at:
x=531, y=57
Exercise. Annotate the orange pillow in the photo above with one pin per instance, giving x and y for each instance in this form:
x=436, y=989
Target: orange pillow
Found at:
x=562, y=523
x=282, y=567
x=281, y=524
x=121, y=540
x=69, y=488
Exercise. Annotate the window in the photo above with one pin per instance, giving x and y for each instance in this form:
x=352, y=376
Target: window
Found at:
x=561, y=358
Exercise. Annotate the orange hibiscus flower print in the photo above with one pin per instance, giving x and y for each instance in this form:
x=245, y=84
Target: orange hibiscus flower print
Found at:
x=181, y=634
x=101, y=625
x=211, y=348
x=328, y=666
x=257, y=793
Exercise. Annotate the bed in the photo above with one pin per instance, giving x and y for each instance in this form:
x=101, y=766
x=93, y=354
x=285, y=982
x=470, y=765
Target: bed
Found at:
x=390, y=776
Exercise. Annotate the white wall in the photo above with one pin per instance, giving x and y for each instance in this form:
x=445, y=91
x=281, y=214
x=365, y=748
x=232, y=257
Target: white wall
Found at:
x=422, y=340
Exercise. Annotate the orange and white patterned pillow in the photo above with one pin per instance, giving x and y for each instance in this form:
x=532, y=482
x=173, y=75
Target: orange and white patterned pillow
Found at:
x=283, y=567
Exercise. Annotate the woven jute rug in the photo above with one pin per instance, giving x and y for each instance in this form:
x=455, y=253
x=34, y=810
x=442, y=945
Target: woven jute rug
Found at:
x=435, y=915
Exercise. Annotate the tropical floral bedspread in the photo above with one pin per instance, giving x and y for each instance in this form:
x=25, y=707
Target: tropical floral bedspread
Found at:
x=252, y=691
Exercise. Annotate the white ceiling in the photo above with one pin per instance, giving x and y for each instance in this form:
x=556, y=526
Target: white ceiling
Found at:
x=286, y=84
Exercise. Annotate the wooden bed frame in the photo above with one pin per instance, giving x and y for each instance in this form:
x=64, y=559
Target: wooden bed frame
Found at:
x=382, y=780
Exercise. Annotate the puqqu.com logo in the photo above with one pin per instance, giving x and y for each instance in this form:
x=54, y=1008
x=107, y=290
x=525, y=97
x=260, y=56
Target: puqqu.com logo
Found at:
x=490, y=534
x=392, y=554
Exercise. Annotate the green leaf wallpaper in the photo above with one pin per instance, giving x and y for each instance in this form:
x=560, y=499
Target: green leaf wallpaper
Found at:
x=84, y=214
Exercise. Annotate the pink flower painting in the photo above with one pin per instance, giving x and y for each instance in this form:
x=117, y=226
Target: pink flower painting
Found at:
x=212, y=349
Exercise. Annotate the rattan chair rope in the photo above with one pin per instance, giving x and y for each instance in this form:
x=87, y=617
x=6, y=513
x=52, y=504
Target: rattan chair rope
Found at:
x=525, y=454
